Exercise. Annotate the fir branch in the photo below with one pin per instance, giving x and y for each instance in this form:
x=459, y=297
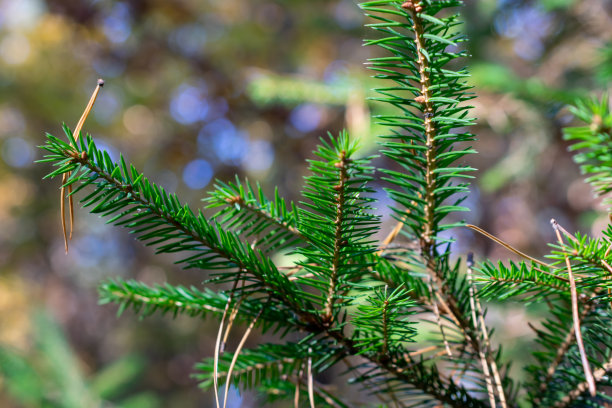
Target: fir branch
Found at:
x=430, y=132
x=147, y=300
x=422, y=144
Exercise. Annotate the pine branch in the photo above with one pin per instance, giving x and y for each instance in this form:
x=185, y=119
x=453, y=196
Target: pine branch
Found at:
x=423, y=142
x=559, y=369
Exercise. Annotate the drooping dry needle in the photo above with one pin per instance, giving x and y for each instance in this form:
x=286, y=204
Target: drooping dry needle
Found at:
x=576, y=315
x=506, y=245
x=65, y=176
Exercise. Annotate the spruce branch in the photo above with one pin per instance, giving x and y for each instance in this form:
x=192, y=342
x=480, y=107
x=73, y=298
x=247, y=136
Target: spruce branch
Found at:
x=423, y=142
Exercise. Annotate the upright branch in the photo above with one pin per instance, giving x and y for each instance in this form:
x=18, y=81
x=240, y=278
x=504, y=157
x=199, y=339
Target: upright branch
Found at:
x=428, y=234
x=339, y=240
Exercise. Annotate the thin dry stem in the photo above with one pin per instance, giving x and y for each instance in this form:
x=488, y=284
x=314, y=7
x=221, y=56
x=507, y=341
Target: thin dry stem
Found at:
x=237, y=353
x=481, y=353
x=218, y=342
x=438, y=319
x=485, y=335
x=310, y=380
x=230, y=323
x=576, y=315
x=298, y=382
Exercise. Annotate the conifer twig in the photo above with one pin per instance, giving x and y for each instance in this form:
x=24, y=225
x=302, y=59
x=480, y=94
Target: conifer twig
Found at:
x=342, y=166
x=576, y=315
x=260, y=212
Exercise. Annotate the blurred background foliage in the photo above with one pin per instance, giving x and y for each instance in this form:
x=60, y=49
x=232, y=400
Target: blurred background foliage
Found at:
x=204, y=89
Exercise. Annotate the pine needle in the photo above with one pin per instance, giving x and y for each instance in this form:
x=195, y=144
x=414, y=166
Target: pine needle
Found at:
x=507, y=246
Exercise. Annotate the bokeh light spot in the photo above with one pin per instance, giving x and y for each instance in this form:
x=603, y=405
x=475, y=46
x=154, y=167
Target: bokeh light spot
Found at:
x=189, y=39
x=197, y=174
x=15, y=49
x=259, y=157
x=189, y=104
x=228, y=143
x=17, y=152
x=116, y=24
x=20, y=14
x=306, y=117
x=139, y=120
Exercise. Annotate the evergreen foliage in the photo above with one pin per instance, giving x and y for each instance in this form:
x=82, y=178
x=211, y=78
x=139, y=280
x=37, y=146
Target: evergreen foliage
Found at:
x=407, y=319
